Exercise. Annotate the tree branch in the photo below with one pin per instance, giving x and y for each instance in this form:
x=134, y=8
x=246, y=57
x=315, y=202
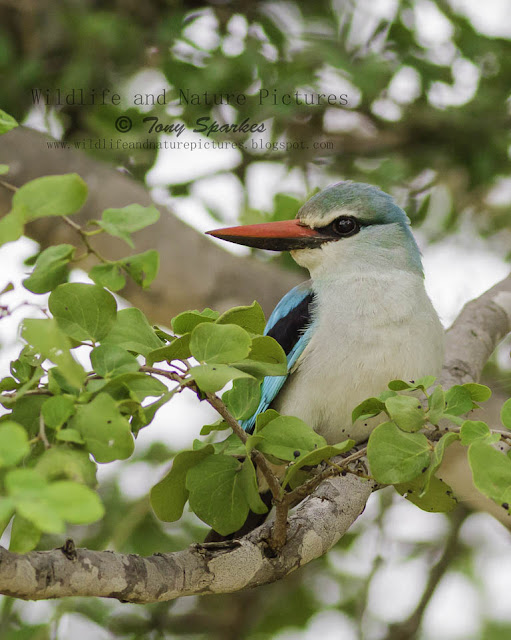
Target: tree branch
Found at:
x=408, y=628
x=316, y=525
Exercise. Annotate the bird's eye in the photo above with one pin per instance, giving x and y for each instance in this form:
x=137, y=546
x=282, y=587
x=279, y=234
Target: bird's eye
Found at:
x=346, y=226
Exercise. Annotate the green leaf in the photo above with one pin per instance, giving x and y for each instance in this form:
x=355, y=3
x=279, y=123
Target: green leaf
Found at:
x=137, y=386
x=187, y=321
x=478, y=392
x=169, y=496
x=106, y=432
x=178, y=349
x=7, y=122
x=26, y=412
x=122, y=222
x=213, y=377
x=232, y=446
x=399, y=385
x=436, y=458
x=385, y=395
x=266, y=358
x=219, y=425
x=74, y=502
x=8, y=384
x=219, y=343
x=250, y=488
x=395, y=456
x=436, y=405
x=83, y=311
x=422, y=383
x=145, y=415
x=143, y=267
x=4, y=168
x=315, y=457
x=110, y=360
x=70, y=435
x=505, y=414
x=108, y=275
x=251, y=318
x=13, y=443
x=367, y=409
x=56, y=410
x=472, y=430
x=50, y=196
x=57, y=383
x=216, y=493
x=11, y=227
x=438, y=498
x=50, y=269
x=406, y=412
x=62, y=462
x=133, y=332
x=24, y=535
x=459, y=400
x=243, y=399
x=491, y=472
x=262, y=419
x=27, y=489
x=287, y=437
x=49, y=340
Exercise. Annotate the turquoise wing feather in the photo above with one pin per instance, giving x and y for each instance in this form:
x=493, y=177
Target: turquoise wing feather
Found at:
x=291, y=325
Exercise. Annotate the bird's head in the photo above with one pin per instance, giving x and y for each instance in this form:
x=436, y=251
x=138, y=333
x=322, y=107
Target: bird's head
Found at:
x=346, y=224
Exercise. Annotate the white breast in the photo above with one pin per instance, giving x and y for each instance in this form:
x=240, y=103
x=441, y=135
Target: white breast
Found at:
x=370, y=329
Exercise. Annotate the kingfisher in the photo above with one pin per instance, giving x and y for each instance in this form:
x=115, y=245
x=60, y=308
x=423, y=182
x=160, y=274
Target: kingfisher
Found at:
x=363, y=319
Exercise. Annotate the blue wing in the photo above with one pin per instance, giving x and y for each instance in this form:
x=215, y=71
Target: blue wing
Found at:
x=289, y=324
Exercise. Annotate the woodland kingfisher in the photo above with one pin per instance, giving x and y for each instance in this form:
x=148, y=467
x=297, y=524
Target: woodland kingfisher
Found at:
x=363, y=319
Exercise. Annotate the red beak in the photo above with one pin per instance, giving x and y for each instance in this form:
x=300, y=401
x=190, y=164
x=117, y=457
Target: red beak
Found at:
x=285, y=235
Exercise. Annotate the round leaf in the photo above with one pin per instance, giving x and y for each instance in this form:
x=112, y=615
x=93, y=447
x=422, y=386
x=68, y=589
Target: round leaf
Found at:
x=106, y=432
x=395, y=456
x=56, y=410
x=216, y=493
x=74, y=502
x=132, y=332
x=219, y=343
x=13, y=443
x=50, y=196
x=83, y=311
x=110, y=360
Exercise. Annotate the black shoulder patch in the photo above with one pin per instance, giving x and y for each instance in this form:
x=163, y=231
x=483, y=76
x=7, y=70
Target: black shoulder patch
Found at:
x=288, y=330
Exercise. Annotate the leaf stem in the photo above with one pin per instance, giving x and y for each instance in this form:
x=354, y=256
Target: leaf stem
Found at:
x=84, y=235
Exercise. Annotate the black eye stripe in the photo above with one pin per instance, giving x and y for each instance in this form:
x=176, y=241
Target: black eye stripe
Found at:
x=342, y=227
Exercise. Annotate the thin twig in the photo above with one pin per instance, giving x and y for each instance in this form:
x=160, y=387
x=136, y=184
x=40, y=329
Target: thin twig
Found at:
x=9, y=186
x=258, y=458
x=42, y=432
x=85, y=239
x=407, y=629
x=340, y=468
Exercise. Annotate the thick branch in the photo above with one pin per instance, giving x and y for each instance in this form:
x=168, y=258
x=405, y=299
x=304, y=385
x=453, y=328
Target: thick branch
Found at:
x=318, y=523
x=478, y=329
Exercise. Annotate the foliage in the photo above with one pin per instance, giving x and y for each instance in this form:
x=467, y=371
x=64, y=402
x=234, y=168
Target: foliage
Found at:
x=62, y=418
x=435, y=107
x=439, y=159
